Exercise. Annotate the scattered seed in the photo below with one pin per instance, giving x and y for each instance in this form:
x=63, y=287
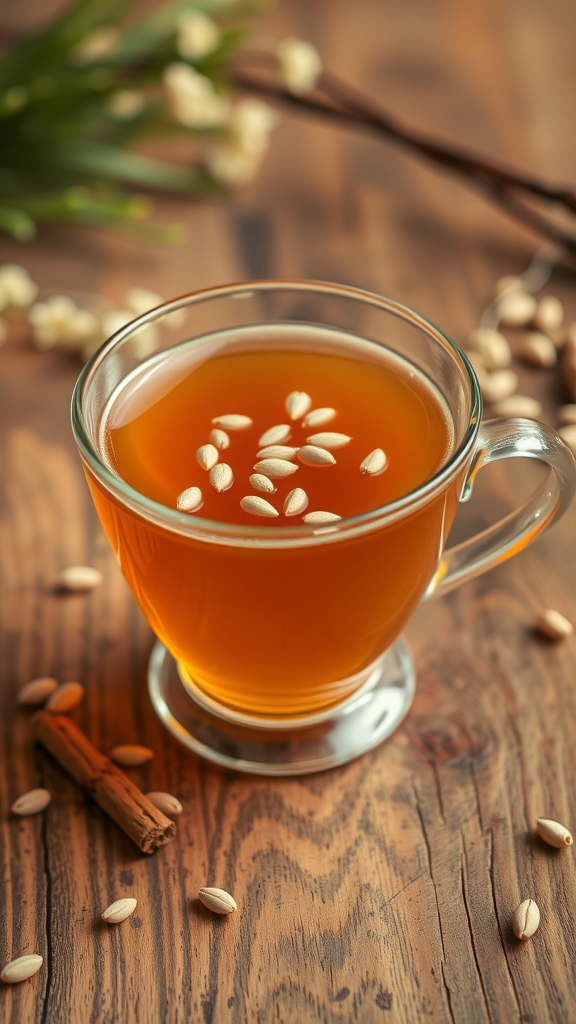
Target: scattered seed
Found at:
x=491, y=347
x=525, y=919
x=549, y=314
x=329, y=439
x=257, y=506
x=21, y=969
x=567, y=414
x=553, y=624
x=190, y=500
x=262, y=483
x=320, y=517
x=295, y=503
x=233, y=421
x=221, y=477
x=165, y=802
x=207, y=456
x=32, y=802
x=497, y=386
x=278, y=451
x=79, y=577
x=275, y=435
x=120, y=910
x=311, y=455
x=515, y=307
x=64, y=698
x=317, y=417
x=374, y=463
x=568, y=435
x=275, y=468
x=538, y=350
x=36, y=691
x=219, y=438
x=217, y=900
x=509, y=283
x=130, y=755
x=518, y=405
x=297, y=404
x=553, y=833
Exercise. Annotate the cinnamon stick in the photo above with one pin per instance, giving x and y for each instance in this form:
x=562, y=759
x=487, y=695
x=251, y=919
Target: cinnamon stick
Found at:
x=106, y=784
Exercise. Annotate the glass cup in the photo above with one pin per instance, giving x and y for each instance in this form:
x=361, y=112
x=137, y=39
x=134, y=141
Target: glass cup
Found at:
x=260, y=684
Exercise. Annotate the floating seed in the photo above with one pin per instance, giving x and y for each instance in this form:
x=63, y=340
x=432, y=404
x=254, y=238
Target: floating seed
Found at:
x=295, y=502
x=207, y=456
x=275, y=435
x=553, y=833
x=36, y=691
x=329, y=439
x=120, y=910
x=219, y=438
x=64, y=698
x=525, y=919
x=311, y=455
x=258, y=506
x=262, y=483
x=538, y=350
x=278, y=451
x=320, y=517
x=553, y=624
x=297, y=404
x=21, y=969
x=233, y=421
x=217, y=900
x=32, y=802
x=221, y=477
x=518, y=405
x=316, y=417
x=165, y=802
x=190, y=500
x=275, y=468
x=79, y=577
x=374, y=463
x=131, y=755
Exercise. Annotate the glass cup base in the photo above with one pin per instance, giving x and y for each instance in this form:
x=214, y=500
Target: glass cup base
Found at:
x=296, y=746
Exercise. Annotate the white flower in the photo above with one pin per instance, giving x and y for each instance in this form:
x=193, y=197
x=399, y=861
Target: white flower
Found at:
x=145, y=340
x=229, y=165
x=197, y=35
x=300, y=65
x=3, y=331
x=141, y=300
x=59, y=322
x=126, y=103
x=250, y=125
x=17, y=289
x=96, y=46
x=192, y=100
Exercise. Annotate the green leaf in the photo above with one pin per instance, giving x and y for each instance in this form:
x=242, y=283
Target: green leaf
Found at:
x=99, y=160
x=17, y=223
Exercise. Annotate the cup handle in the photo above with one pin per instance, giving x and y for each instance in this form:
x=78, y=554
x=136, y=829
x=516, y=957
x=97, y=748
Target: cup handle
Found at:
x=505, y=439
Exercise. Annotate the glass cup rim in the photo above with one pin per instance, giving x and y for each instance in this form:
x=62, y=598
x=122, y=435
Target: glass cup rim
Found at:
x=286, y=536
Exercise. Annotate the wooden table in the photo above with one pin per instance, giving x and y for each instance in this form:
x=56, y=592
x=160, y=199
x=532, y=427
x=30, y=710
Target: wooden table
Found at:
x=381, y=891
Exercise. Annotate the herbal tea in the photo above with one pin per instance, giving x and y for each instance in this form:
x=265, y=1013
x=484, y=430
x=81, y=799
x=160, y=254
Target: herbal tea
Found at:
x=285, y=428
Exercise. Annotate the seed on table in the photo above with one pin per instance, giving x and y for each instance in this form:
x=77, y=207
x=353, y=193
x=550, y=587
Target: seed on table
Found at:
x=497, y=386
x=295, y=503
x=525, y=919
x=64, y=698
x=276, y=468
x=553, y=833
x=217, y=900
x=538, y=350
x=79, y=577
x=262, y=483
x=21, y=969
x=329, y=439
x=297, y=404
x=515, y=308
x=320, y=517
x=165, y=802
x=276, y=435
x=518, y=405
x=316, y=417
x=233, y=421
x=207, y=456
x=553, y=624
x=509, y=283
x=120, y=910
x=491, y=347
x=219, y=438
x=258, y=506
x=190, y=500
x=32, y=802
x=278, y=451
x=131, y=755
x=567, y=414
x=221, y=477
x=549, y=314
x=374, y=463
x=568, y=435
x=36, y=691
x=311, y=455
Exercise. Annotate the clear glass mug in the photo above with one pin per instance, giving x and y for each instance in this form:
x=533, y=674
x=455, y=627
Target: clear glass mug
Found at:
x=304, y=697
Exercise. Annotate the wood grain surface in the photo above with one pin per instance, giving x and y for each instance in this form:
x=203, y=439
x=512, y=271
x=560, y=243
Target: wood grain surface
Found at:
x=381, y=891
